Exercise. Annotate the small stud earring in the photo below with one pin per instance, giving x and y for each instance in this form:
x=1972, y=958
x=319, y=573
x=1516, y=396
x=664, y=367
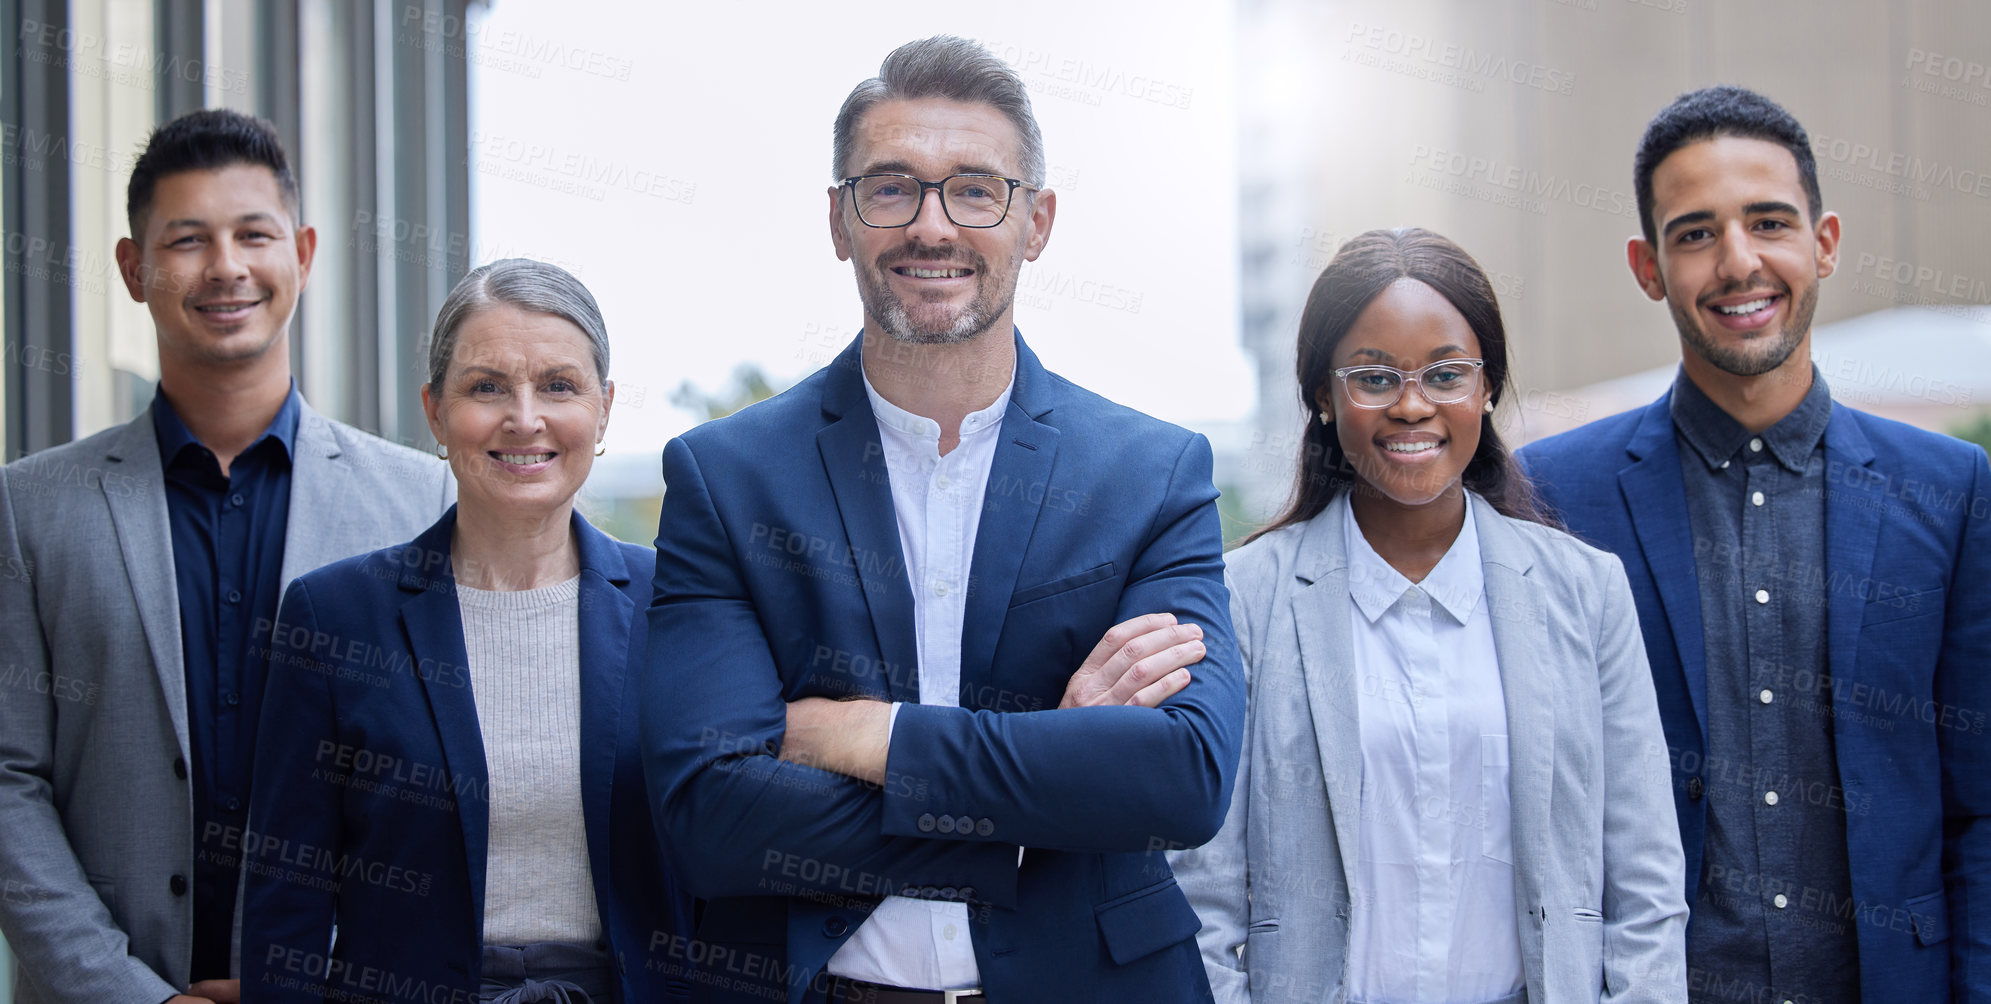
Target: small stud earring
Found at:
x=442, y=452
x=1489, y=407
x=1326, y=419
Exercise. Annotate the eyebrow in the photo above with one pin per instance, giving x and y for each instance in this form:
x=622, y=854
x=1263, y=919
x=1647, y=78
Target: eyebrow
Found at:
x=549, y=371
x=1769, y=206
x=1386, y=357
x=255, y=217
x=901, y=167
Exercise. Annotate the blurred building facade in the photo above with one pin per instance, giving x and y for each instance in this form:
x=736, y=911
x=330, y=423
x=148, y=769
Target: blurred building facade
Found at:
x=1510, y=128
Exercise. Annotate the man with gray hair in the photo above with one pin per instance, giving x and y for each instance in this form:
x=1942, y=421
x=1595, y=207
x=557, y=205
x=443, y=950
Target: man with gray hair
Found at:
x=940, y=657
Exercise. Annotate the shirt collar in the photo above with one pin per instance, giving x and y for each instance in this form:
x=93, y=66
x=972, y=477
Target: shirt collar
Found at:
x=1455, y=584
x=898, y=419
x=1718, y=437
x=174, y=436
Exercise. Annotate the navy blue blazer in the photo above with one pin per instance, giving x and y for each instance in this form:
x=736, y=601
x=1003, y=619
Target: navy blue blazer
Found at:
x=1907, y=576
x=779, y=576
x=371, y=807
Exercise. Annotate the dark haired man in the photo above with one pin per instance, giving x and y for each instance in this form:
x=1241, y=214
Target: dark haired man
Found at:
x=1814, y=586
x=937, y=530
x=150, y=558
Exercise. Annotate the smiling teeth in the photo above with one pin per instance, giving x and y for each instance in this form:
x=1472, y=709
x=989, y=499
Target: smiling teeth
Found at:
x=1418, y=447
x=1745, y=308
x=524, y=459
x=937, y=273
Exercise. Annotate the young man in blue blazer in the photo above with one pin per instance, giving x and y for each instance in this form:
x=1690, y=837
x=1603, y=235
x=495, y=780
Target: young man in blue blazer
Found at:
x=893, y=602
x=1814, y=586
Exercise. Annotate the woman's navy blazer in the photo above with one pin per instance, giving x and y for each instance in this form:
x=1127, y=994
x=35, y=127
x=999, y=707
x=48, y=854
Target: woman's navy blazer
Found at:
x=369, y=820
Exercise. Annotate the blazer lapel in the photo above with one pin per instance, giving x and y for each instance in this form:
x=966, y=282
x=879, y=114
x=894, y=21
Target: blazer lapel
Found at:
x=320, y=487
x=1656, y=499
x=137, y=500
x=1024, y=457
x=854, y=461
x=1324, y=622
x=606, y=613
x=434, y=626
x=1851, y=530
x=1529, y=688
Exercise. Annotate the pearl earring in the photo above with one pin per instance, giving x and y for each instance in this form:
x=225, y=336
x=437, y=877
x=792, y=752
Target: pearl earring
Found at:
x=1489, y=407
x=1325, y=419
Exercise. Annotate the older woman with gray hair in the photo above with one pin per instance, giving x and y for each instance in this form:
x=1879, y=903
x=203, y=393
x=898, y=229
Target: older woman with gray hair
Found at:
x=448, y=802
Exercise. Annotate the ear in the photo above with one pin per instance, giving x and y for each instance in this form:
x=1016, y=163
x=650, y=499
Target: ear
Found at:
x=1828, y=244
x=608, y=402
x=1325, y=402
x=839, y=229
x=307, y=249
x=1043, y=211
x=131, y=269
x=1644, y=261
x=430, y=410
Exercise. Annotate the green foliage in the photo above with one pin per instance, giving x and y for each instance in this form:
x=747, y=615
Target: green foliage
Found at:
x=1977, y=431
x=750, y=384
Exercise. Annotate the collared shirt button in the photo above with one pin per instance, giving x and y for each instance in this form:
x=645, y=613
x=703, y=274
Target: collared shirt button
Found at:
x=1756, y=445
x=1724, y=465
x=177, y=885
x=234, y=805
x=1769, y=798
x=1781, y=900
x=1756, y=499
x=232, y=699
x=925, y=822
x=235, y=596
x=1762, y=596
x=1766, y=697
x=940, y=589
x=941, y=482
x=235, y=499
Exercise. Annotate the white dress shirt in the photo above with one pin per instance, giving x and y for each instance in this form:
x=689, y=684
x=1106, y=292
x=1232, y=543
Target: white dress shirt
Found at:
x=1432, y=918
x=915, y=942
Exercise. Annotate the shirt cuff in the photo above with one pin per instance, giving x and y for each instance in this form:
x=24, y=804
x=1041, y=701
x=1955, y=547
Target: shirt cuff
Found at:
x=890, y=724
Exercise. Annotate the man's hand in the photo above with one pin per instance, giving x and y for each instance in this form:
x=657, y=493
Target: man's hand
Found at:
x=843, y=737
x=218, y=991
x=1140, y=662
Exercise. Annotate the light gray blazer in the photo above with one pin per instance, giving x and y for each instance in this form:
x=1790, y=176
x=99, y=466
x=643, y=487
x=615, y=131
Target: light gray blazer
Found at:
x=1597, y=862
x=94, y=820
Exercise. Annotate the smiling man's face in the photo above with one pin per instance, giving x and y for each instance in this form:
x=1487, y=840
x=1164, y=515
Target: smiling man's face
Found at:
x=932, y=282
x=220, y=264
x=1737, y=258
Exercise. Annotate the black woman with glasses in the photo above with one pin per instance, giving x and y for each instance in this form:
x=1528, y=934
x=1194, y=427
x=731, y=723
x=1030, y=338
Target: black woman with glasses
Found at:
x=1454, y=786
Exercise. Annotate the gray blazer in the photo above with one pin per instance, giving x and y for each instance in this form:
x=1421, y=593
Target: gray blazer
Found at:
x=1597, y=863
x=94, y=820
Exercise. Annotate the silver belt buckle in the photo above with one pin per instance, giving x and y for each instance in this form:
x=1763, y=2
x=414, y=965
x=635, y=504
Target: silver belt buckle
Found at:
x=950, y=996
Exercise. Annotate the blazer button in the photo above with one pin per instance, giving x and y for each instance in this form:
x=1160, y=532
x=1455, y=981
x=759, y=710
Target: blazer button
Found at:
x=944, y=824
x=964, y=825
x=178, y=885
x=1695, y=789
x=835, y=927
x=180, y=767
x=949, y=893
x=984, y=826
x=925, y=822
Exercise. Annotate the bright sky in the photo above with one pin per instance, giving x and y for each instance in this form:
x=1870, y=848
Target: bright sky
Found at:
x=675, y=158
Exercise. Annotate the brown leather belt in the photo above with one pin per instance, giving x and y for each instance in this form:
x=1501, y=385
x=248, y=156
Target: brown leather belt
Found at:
x=848, y=991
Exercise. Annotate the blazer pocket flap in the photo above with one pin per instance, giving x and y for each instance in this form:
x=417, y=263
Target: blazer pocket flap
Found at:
x=1146, y=921
x=1901, y=606
x=1056, y=586
x=1930, y=916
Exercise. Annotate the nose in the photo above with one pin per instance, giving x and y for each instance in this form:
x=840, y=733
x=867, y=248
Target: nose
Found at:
x=1737, y=259
x=1412, y=405
x=225, y=263
x=931, y=225
x=524, y=417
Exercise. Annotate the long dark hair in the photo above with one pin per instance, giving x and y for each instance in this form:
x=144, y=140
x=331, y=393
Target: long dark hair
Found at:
x=1362, y=269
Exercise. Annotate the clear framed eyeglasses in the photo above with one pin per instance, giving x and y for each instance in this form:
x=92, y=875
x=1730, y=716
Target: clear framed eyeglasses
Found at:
x=1447, y=381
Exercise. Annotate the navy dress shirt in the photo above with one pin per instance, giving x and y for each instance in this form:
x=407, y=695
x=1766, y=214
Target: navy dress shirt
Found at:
x=1773, y=916
x=228, y=533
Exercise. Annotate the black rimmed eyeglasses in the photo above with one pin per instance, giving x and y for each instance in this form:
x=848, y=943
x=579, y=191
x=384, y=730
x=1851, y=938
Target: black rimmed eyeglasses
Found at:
x=979, y=201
